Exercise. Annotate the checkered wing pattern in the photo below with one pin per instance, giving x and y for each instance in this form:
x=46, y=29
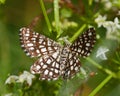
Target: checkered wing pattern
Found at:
x=47, y=66
x=85, y=43
x=35, y=44
x=55, y=60
x=72, y=67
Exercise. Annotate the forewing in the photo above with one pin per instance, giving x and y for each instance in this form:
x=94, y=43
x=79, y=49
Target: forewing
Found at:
x=73, y=65
x=48, y=67
x=35, y=44
x=85, y=43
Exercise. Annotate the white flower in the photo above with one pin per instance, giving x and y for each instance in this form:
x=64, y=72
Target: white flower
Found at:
x=11, y=79
x=101, y=53
x=113, y=29
x=109, y=25
x=112, y=26
x=26, y=76
x=107, y=4
x=116, y=22
x=100, y=20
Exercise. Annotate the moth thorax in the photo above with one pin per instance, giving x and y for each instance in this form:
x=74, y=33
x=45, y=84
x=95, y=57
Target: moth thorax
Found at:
x=64, y=54
x=63, y=59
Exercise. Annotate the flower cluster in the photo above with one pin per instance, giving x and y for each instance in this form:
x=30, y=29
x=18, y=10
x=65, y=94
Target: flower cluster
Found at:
x=112, y=27
x=25, y=76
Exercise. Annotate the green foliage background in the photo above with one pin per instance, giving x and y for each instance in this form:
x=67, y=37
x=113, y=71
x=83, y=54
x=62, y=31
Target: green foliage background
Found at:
x=15, y=14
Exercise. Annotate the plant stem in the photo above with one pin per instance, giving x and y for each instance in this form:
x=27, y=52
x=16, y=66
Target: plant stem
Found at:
x=56, y=17
x=100, y=67
x=77, y=33
x=45, y=15
x=100, y=85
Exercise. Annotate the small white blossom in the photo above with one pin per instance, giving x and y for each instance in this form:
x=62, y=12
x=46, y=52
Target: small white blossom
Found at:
x=11, y=79
x=100, y=20
x=109, y=25
x=101, y=53
x=113, y=28
x=108, y=5
x=117, y=23
x=26, y=76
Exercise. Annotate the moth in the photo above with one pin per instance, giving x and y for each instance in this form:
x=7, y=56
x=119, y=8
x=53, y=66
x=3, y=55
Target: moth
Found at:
x=55, y=60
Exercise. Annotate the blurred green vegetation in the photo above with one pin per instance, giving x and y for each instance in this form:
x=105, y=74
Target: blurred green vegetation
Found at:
x=15, y=14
